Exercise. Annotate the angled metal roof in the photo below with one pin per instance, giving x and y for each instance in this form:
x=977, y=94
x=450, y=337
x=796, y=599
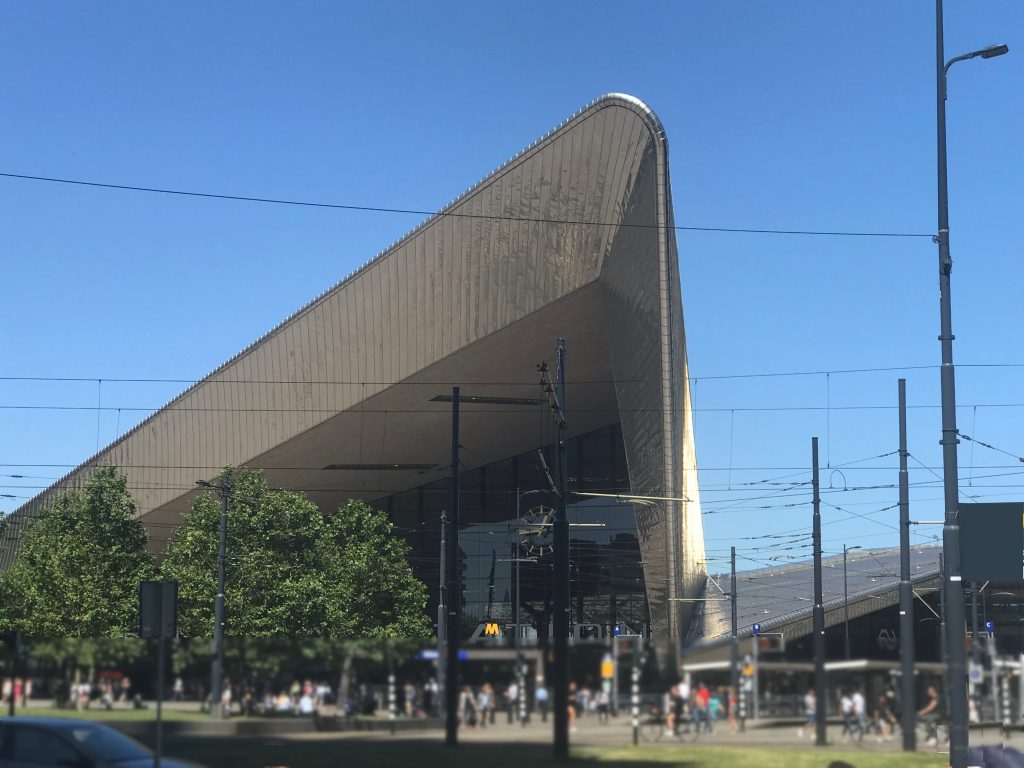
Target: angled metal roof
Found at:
x=572, y=237
x=782, y=598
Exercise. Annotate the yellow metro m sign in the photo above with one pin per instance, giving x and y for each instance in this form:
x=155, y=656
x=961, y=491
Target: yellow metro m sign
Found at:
x=492, y=630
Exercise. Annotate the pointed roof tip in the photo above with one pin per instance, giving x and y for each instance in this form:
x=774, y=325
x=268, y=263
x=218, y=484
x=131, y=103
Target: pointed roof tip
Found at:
x=623, y=98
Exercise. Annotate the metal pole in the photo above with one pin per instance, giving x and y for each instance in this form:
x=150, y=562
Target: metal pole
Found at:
x=560, y=619
x=734, y=648
x=442, y=617
x=217, y=671
x=615, y=677
x=821, y=737
x=943, y=644
x=952, y=584
x=1020, y=687
x=392, y=702
x=634, y=698
x=159, y=700
x=975, y=645
x=520, y=677
x=908, y=698
x=846, y=609
x=453, y=598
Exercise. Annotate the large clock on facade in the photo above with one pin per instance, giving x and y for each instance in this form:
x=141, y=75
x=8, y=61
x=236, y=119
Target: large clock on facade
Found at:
x=536, y=531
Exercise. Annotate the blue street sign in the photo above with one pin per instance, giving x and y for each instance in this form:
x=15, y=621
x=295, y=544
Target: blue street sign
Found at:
x=757, y=629
x=617, y=630
x=990, y=625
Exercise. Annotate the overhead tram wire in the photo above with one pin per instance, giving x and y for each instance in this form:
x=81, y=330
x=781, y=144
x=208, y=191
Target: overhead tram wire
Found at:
x=990, y=447
x=524, y=383
x=448, y=214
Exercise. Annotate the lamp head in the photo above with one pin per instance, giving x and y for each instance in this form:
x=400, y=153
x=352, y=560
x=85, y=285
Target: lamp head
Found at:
x=994, y=50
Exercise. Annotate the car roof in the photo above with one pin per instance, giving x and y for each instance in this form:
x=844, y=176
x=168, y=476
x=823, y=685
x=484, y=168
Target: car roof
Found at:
x=44, y=721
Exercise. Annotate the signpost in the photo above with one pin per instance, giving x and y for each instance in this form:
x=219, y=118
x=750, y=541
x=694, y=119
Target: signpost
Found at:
x=158, y=620
x=992, y=542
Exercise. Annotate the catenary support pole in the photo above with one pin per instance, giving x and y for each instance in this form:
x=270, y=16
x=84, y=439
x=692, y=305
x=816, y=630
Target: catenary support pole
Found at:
x=821, y=736
x=561, y=557
x=908, y=698
x=973, y=688
x=846, y=609
x=734, y=646
x=217, y=667
x=453, y=597
x=952, y=586
x=943, y=645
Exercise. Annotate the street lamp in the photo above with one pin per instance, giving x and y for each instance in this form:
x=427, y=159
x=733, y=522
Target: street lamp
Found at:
x=952, y=585
x=846, y=601
x=217, y=665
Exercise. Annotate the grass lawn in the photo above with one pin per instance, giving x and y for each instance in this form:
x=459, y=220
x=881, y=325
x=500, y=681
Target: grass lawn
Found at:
x=318, y=753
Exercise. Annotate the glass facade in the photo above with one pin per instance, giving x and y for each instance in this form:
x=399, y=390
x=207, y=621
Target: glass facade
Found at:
x=506, y=508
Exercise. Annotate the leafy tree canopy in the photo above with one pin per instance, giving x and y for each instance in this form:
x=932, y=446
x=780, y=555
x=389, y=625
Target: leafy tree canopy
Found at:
x=78, y=568
x=290, y=571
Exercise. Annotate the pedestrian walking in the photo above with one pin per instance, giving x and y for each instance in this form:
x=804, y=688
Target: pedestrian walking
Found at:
x=467, y=707
x=810, y=712
x=542, y=702
x=512, y=696
x=846, y=710
x=928, y=715
x=703, y=707
x=484, y=703
x=860, y=713
x=603, y=703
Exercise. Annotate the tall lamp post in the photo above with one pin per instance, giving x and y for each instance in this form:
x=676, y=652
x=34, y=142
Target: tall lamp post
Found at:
x=952, y=583
x=217, y=664
x=846, y=603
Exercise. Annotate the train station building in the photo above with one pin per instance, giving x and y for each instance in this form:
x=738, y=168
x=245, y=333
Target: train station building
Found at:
x=350, y=396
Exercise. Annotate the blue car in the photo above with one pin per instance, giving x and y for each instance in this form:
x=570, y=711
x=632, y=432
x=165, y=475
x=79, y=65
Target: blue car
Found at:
x=28, y=742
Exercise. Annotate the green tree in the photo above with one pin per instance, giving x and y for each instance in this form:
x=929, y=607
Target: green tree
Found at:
x=78, y=568
x=382, y=597
x=290, y=571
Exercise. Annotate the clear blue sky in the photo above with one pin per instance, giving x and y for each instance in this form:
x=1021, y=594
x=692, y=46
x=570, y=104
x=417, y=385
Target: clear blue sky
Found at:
x=779, y=115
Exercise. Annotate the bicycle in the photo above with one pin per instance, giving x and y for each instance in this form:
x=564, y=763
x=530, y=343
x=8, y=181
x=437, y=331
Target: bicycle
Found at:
x=654, y=728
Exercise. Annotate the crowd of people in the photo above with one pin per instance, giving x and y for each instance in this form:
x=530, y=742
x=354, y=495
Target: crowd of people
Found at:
x=880, y=720
x=703, y=705
x=20, y=688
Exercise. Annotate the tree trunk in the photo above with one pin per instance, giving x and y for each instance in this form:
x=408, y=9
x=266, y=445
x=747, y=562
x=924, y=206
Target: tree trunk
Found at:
x=344, y=683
